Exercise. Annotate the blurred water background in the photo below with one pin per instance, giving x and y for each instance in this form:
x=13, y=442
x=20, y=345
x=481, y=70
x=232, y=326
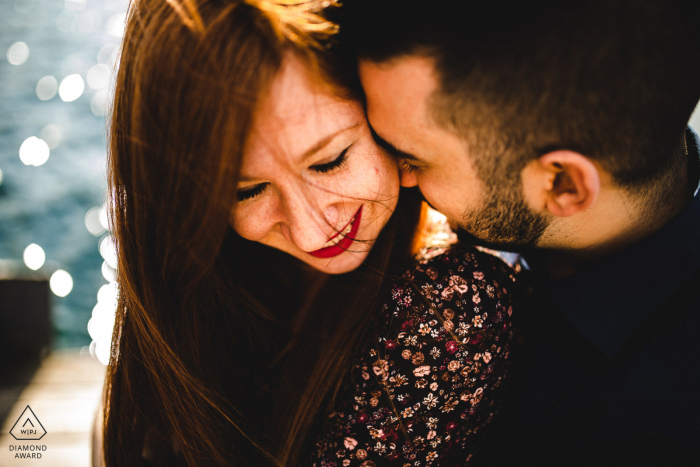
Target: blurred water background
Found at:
x=55, y=74
x=54, y=84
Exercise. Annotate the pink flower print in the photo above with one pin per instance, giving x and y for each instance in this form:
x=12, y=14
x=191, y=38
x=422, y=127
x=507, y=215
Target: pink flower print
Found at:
x=381, y=369
x=406, y=354
x=487, y=357
x=369, y=463
x=390, y=344
x=430, y=401
x=418, y=358
x=398, y=380
x=431, y=456
x=454, y=365
x=451, y=346
x=432, y=273
x=448, y=325
x=433, y=386
x=424, y=329
x=449, y=405
x=478, y=275
x=476, y=299
x=477, y=321
x=476, y=397
x=390, y=436
x=451, y=426
x=421, y=383
x=490, y=290
x=429, y=291
x=406, y=325
x=407, y=413
x=448, y=314
x=422, y=370
x=431, y=434
x=362, y=418
x=459, y=284
x=350, y=443
x=447, y=293
x=463, y=329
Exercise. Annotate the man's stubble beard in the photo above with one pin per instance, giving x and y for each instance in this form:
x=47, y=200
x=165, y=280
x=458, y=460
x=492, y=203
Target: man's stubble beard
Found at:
x=504, y=220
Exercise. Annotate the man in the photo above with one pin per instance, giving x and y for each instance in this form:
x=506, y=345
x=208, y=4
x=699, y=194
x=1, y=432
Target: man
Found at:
x=559, y=129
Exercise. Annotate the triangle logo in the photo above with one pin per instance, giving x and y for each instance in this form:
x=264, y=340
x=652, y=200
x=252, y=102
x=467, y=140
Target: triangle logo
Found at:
x=28, y=427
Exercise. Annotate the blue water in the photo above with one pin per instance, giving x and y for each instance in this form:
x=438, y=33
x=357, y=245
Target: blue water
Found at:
x=46, y=205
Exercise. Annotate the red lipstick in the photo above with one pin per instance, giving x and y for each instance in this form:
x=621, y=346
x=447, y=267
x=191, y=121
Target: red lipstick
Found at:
x=347, y=240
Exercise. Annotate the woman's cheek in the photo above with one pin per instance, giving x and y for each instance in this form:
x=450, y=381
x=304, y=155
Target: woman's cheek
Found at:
x=253, y=221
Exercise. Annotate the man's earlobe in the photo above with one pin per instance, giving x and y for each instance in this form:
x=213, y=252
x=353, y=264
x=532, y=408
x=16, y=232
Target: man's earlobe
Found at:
x=562, y=182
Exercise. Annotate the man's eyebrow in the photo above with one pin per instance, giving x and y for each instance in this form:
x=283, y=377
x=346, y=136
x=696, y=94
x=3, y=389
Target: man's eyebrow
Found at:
x=392, y=149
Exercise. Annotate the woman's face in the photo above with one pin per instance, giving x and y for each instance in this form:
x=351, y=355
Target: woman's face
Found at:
x=313, y=182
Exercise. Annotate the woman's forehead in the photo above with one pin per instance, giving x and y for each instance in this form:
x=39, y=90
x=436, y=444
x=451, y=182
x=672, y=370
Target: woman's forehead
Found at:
x=299, y=112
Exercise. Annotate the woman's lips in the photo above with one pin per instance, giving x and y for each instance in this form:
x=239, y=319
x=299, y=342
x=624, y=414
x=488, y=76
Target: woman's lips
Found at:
x=347, y=237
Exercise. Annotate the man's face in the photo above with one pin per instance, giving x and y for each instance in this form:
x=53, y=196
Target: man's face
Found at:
x=438, y=161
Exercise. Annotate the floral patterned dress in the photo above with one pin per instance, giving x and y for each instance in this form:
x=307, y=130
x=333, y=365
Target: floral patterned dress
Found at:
x=429, y=377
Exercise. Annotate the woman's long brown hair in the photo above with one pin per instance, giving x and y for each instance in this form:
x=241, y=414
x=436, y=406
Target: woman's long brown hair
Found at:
x=205, y=319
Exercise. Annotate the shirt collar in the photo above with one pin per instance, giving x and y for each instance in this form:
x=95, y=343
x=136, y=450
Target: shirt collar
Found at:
x=610, y=299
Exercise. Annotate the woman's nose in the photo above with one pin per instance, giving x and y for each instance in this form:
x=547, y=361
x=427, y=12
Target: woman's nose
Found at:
x=310, y=221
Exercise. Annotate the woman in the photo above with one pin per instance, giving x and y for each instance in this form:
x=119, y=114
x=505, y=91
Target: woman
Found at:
x=261, y=243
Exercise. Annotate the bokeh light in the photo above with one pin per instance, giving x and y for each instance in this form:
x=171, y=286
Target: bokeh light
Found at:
x=104, y=222
x=108, y=272
x=106, y=55
x=98, y=76
x=98, y=104
x=46, y=88
x=88, y=22
x=115, y=25
x=101, y=324
x=18, y=53
x=71, y=88
x=34, y=151
x=108, y=252
x=61, y=283
x=92, y=221
x=52, y=135
x=34, y=256
x=75, y=5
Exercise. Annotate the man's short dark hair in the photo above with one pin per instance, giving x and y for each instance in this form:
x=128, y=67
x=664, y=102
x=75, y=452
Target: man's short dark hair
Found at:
x=614, y=80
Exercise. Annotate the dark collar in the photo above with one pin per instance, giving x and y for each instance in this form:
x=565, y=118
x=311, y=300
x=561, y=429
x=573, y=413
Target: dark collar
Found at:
x=610, y=299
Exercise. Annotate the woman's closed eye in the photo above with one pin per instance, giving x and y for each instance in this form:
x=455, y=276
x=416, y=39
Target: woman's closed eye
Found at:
x=332, y=165
x=252, y=192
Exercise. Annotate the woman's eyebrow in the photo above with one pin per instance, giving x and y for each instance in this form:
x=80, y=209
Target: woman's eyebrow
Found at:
x=315, y=148
x=326, y=141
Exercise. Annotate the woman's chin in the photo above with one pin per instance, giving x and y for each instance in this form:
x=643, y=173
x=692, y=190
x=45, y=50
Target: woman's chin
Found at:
x=345, y=262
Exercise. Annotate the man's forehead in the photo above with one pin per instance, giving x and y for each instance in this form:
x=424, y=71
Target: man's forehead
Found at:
x=398, y=93
x=416, y=72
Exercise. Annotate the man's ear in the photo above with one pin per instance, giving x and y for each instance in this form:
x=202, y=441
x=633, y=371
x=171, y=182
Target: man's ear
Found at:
x=562, y=182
